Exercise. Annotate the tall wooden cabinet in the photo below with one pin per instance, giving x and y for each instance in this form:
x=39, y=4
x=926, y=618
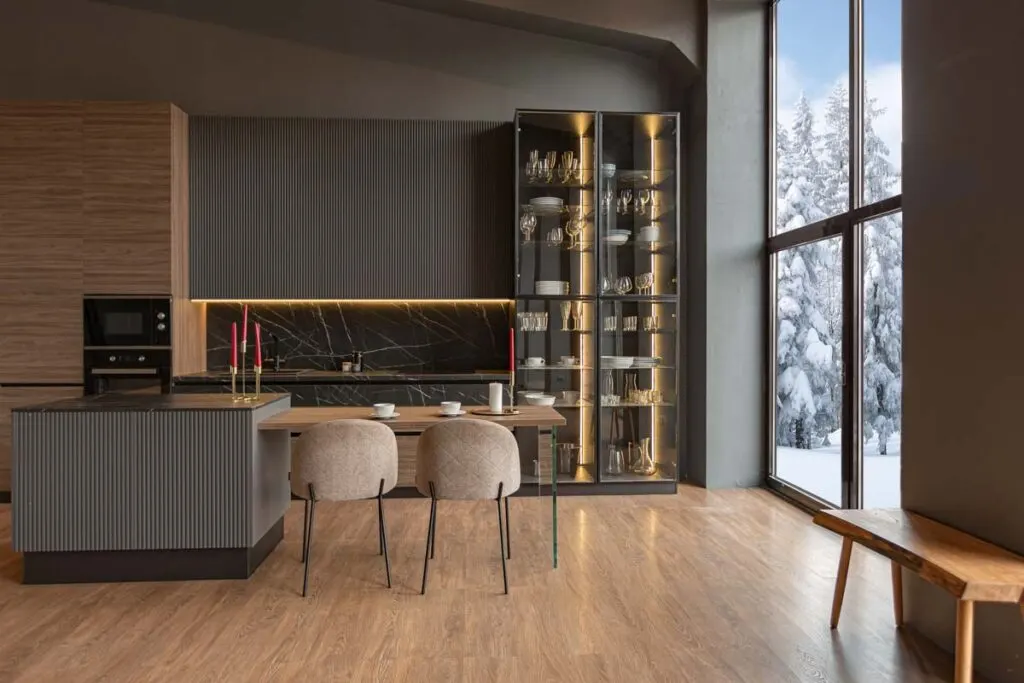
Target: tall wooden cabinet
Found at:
x=93, y=200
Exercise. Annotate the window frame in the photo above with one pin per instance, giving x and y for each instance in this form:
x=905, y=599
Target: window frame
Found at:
x=849, y=225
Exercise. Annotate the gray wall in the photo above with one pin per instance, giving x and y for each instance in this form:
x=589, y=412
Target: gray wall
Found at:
x=302, y=58
x=726, y=266
x=963, y=241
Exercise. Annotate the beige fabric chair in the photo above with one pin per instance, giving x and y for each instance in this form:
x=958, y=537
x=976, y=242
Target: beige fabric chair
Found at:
x=467, y=460
x=344, y=460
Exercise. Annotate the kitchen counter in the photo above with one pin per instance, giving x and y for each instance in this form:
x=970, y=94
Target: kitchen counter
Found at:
x=153, y=402
x=144, y=487
x=312, y=376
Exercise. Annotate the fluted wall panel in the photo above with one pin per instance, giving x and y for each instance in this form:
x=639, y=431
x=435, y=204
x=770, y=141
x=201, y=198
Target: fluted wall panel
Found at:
x=132, y=480
x=298, y=208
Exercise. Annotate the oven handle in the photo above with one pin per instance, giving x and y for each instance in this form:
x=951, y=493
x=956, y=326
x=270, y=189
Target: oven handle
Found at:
x=124, y=371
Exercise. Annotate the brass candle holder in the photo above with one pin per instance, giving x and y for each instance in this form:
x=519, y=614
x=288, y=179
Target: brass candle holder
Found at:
x=239, y=394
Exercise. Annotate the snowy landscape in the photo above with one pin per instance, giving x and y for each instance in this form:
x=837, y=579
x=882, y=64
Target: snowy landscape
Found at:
x=812, y=172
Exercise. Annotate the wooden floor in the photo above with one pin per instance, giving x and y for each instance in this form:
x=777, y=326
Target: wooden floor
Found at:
x=701, y=587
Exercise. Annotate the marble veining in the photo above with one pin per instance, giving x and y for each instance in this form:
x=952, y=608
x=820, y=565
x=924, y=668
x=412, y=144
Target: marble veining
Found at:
x=457, y=337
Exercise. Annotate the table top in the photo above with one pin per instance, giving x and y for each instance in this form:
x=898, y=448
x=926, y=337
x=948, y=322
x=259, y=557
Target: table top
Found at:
x=966, y=566
x=410, y=418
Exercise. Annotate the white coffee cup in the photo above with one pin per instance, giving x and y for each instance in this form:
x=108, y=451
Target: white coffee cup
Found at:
x=451, y=407
x=383, y=409
x=568, y=360
x=535, y=361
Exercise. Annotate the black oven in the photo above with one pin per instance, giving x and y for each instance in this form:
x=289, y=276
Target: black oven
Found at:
x=127, y=322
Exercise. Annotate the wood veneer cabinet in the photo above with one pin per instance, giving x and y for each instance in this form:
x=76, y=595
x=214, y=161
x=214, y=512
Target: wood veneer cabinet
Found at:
x=93, y=200
x=128, y=190
x=41, y=239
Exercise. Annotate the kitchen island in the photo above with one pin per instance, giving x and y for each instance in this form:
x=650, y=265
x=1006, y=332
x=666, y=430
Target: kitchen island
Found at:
x=124, y=487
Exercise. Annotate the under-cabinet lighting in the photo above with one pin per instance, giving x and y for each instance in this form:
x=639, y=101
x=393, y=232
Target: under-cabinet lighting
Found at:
x=376, y=302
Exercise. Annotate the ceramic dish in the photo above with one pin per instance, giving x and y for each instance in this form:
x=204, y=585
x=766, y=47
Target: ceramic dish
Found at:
x=540, y=400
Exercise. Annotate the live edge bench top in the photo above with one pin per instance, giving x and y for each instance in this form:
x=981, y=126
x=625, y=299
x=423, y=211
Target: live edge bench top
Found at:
x=965, y=566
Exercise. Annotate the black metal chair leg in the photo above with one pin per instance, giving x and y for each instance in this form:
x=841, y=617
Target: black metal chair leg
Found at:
x=433, y=532
x=508, y=531
x=309, y=541
x=430, y=534
x=383, y=531
x=380, y=520
x=501, y=538
x=305, y=526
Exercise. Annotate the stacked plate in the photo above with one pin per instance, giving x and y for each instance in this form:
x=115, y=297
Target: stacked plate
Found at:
x=617, y=237
x=551, y=287
x=616, y=362
x=646, y=362
x=608, y=170
x=547, y=204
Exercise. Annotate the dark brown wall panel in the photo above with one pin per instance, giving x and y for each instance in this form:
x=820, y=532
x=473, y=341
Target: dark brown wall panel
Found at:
x=299, y=208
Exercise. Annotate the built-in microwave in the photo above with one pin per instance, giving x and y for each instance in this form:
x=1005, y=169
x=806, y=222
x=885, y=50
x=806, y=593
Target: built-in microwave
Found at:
x=126, y=321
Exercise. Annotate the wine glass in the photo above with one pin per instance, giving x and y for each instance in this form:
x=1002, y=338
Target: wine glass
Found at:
x=527, y=223
x=574, y=228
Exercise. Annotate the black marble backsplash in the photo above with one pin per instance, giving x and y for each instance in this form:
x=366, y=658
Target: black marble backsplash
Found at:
x=405, y=337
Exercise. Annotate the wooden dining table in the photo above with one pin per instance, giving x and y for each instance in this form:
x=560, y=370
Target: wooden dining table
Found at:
x=415, y=419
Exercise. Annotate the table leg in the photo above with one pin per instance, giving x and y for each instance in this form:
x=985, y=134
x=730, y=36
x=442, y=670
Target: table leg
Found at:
x=964, y=640
x=897, y=594
x=844, y=568
x=554, y=497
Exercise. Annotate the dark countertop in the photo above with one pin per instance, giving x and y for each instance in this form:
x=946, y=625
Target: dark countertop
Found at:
x=336, y=377
x=153, y=402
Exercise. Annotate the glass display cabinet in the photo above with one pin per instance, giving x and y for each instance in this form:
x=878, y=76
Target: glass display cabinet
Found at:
x=597, y=294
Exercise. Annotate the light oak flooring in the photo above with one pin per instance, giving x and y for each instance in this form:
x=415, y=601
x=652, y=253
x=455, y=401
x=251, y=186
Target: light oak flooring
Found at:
x=698, y=587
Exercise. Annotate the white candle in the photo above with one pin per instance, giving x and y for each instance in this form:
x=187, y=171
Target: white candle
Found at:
x=496, y=390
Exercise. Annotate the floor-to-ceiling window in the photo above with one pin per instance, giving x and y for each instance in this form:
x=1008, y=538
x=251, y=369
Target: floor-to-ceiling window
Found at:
x=836, y=252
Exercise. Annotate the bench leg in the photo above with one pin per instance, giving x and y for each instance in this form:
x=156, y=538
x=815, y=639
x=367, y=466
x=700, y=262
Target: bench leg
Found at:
x=844, y=568
x=897, y=594
x=964, y=640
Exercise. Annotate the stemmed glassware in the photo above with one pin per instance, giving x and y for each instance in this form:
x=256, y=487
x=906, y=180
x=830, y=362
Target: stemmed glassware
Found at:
x=643, y=198
x=645, y=283
x=574, y=228
x=566, y=308
x=625, y=197
x=527, y=224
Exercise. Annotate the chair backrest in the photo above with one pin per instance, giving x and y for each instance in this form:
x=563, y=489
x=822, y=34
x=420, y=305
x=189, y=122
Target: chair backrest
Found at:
x=467, y=459
x=345, y=460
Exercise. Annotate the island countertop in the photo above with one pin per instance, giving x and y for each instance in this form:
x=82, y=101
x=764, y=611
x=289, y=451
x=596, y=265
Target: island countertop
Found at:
x=153, y=402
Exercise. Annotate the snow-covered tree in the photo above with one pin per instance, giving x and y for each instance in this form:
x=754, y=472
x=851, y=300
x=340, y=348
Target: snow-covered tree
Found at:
x=813, y=171
x=804, y=344
x=883, y=293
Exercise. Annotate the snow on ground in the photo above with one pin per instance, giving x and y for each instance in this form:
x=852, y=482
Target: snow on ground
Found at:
x=818, y=471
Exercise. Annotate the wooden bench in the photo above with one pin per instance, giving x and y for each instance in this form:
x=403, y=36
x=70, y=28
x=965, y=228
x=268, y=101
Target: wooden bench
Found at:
x=966, y=567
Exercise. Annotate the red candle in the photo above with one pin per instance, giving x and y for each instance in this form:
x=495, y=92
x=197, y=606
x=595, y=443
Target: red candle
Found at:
x=234, y=345
x=245, y=324
x=259, y=351
x=511, y=349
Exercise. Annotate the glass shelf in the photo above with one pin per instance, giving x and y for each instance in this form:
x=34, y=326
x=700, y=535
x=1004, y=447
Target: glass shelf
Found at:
x=559, y=210
x=552, y=368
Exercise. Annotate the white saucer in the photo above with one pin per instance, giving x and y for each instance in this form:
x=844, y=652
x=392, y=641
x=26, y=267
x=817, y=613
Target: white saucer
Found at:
x=461, y=412
x=392, y=416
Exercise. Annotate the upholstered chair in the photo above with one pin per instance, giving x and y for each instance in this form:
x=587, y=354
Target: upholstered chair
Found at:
x=467, y=459
x=344, y=460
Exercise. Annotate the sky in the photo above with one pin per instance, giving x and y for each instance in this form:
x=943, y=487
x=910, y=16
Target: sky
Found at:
x=813, y=55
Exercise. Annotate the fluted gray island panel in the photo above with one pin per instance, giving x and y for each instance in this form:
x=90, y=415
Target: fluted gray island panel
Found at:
x=132, y=487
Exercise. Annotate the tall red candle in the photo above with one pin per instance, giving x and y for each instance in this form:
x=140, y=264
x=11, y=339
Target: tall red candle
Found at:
x=511, y=349
x=245, y=324
x=234, y=345
x=259, y=351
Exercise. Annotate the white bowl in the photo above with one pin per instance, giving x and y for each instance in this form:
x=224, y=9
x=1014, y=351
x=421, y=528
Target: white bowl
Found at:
x=616, y=239
x=619, y=232
x=540, y=400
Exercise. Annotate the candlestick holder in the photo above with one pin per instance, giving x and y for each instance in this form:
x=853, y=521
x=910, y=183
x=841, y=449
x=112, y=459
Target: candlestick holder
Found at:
x=234, y=376
x=241, y=395
x=512, y=387
x=257, y=371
